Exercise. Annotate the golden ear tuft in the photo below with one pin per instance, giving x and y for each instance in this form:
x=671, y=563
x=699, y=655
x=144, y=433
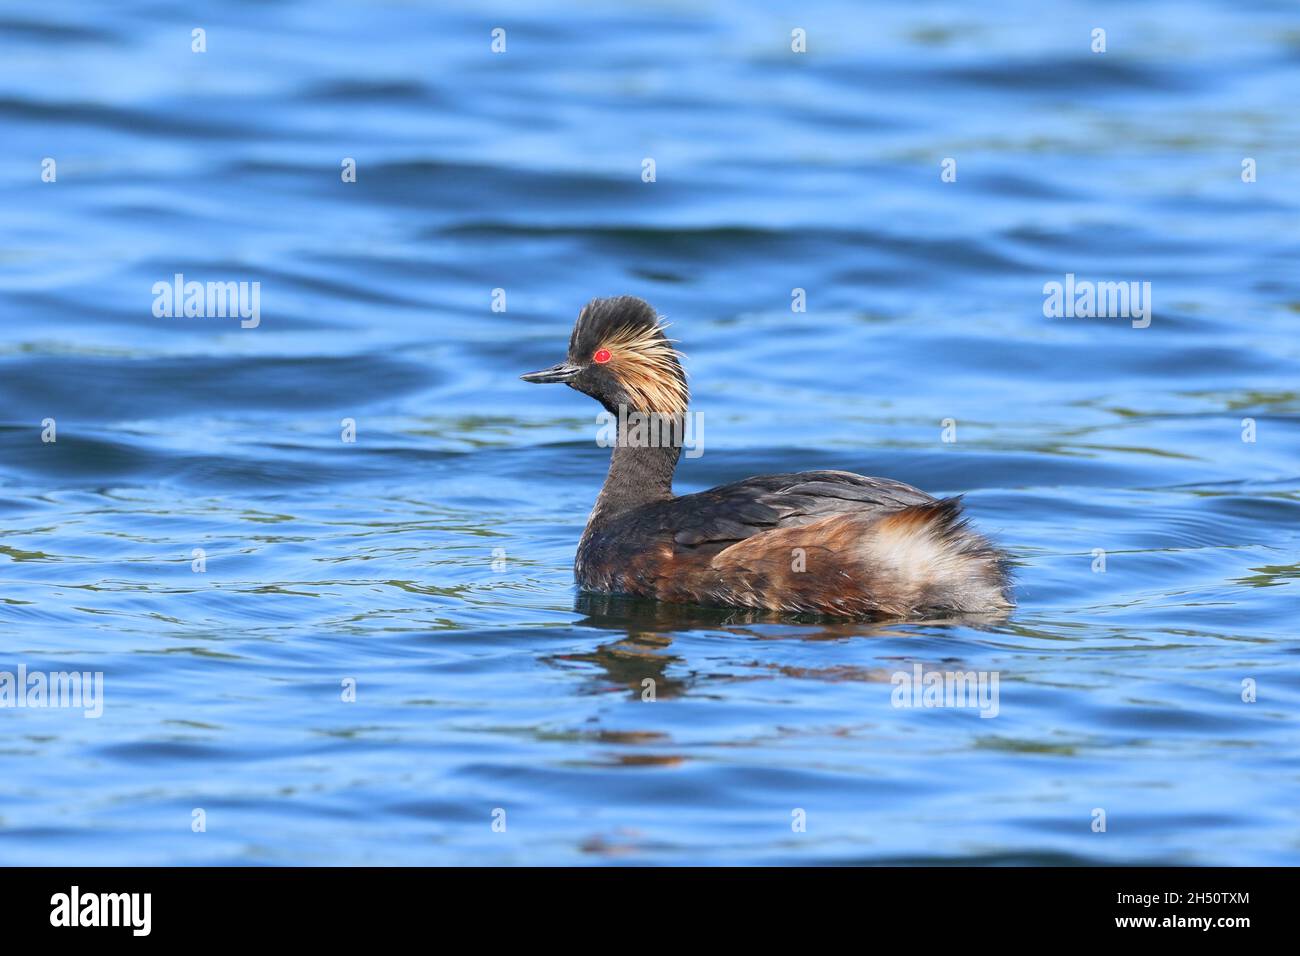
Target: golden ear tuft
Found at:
x=648, y=366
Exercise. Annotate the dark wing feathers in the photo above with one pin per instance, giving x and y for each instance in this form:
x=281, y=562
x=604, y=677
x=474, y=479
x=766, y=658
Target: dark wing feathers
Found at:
x=745, y=508
x=719, y=528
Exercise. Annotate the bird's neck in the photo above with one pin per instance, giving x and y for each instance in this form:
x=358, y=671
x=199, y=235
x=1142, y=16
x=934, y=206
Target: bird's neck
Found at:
x=642, y=463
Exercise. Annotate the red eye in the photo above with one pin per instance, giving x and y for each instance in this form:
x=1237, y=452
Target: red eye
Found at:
x=602, y=356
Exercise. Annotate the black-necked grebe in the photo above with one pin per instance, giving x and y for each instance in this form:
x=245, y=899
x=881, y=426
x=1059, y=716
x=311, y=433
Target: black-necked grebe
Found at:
x=825, y=542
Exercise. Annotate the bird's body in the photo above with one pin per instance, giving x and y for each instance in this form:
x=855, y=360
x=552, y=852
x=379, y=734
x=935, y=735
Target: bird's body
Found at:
x=825, y=542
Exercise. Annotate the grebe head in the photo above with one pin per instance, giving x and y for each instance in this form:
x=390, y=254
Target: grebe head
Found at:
x=619, y=355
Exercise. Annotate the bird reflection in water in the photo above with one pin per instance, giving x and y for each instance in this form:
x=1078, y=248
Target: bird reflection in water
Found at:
x=642, y=651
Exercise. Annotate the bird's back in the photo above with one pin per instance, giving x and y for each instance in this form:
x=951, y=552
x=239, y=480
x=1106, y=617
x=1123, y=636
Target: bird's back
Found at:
x=828, y=542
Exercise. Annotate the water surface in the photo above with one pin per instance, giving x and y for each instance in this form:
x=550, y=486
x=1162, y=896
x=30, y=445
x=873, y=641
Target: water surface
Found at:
x=430, y=561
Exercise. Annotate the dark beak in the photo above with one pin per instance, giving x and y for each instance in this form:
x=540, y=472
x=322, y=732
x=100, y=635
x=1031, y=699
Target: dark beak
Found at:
x=563, y=372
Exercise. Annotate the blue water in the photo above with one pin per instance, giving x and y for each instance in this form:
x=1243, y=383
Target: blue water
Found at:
x=430, y=560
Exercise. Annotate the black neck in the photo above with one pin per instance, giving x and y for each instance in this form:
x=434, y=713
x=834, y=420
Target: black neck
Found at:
x=638, y=474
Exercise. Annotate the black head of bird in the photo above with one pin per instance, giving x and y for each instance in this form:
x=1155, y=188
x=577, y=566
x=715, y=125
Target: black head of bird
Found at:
x=620, y=356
